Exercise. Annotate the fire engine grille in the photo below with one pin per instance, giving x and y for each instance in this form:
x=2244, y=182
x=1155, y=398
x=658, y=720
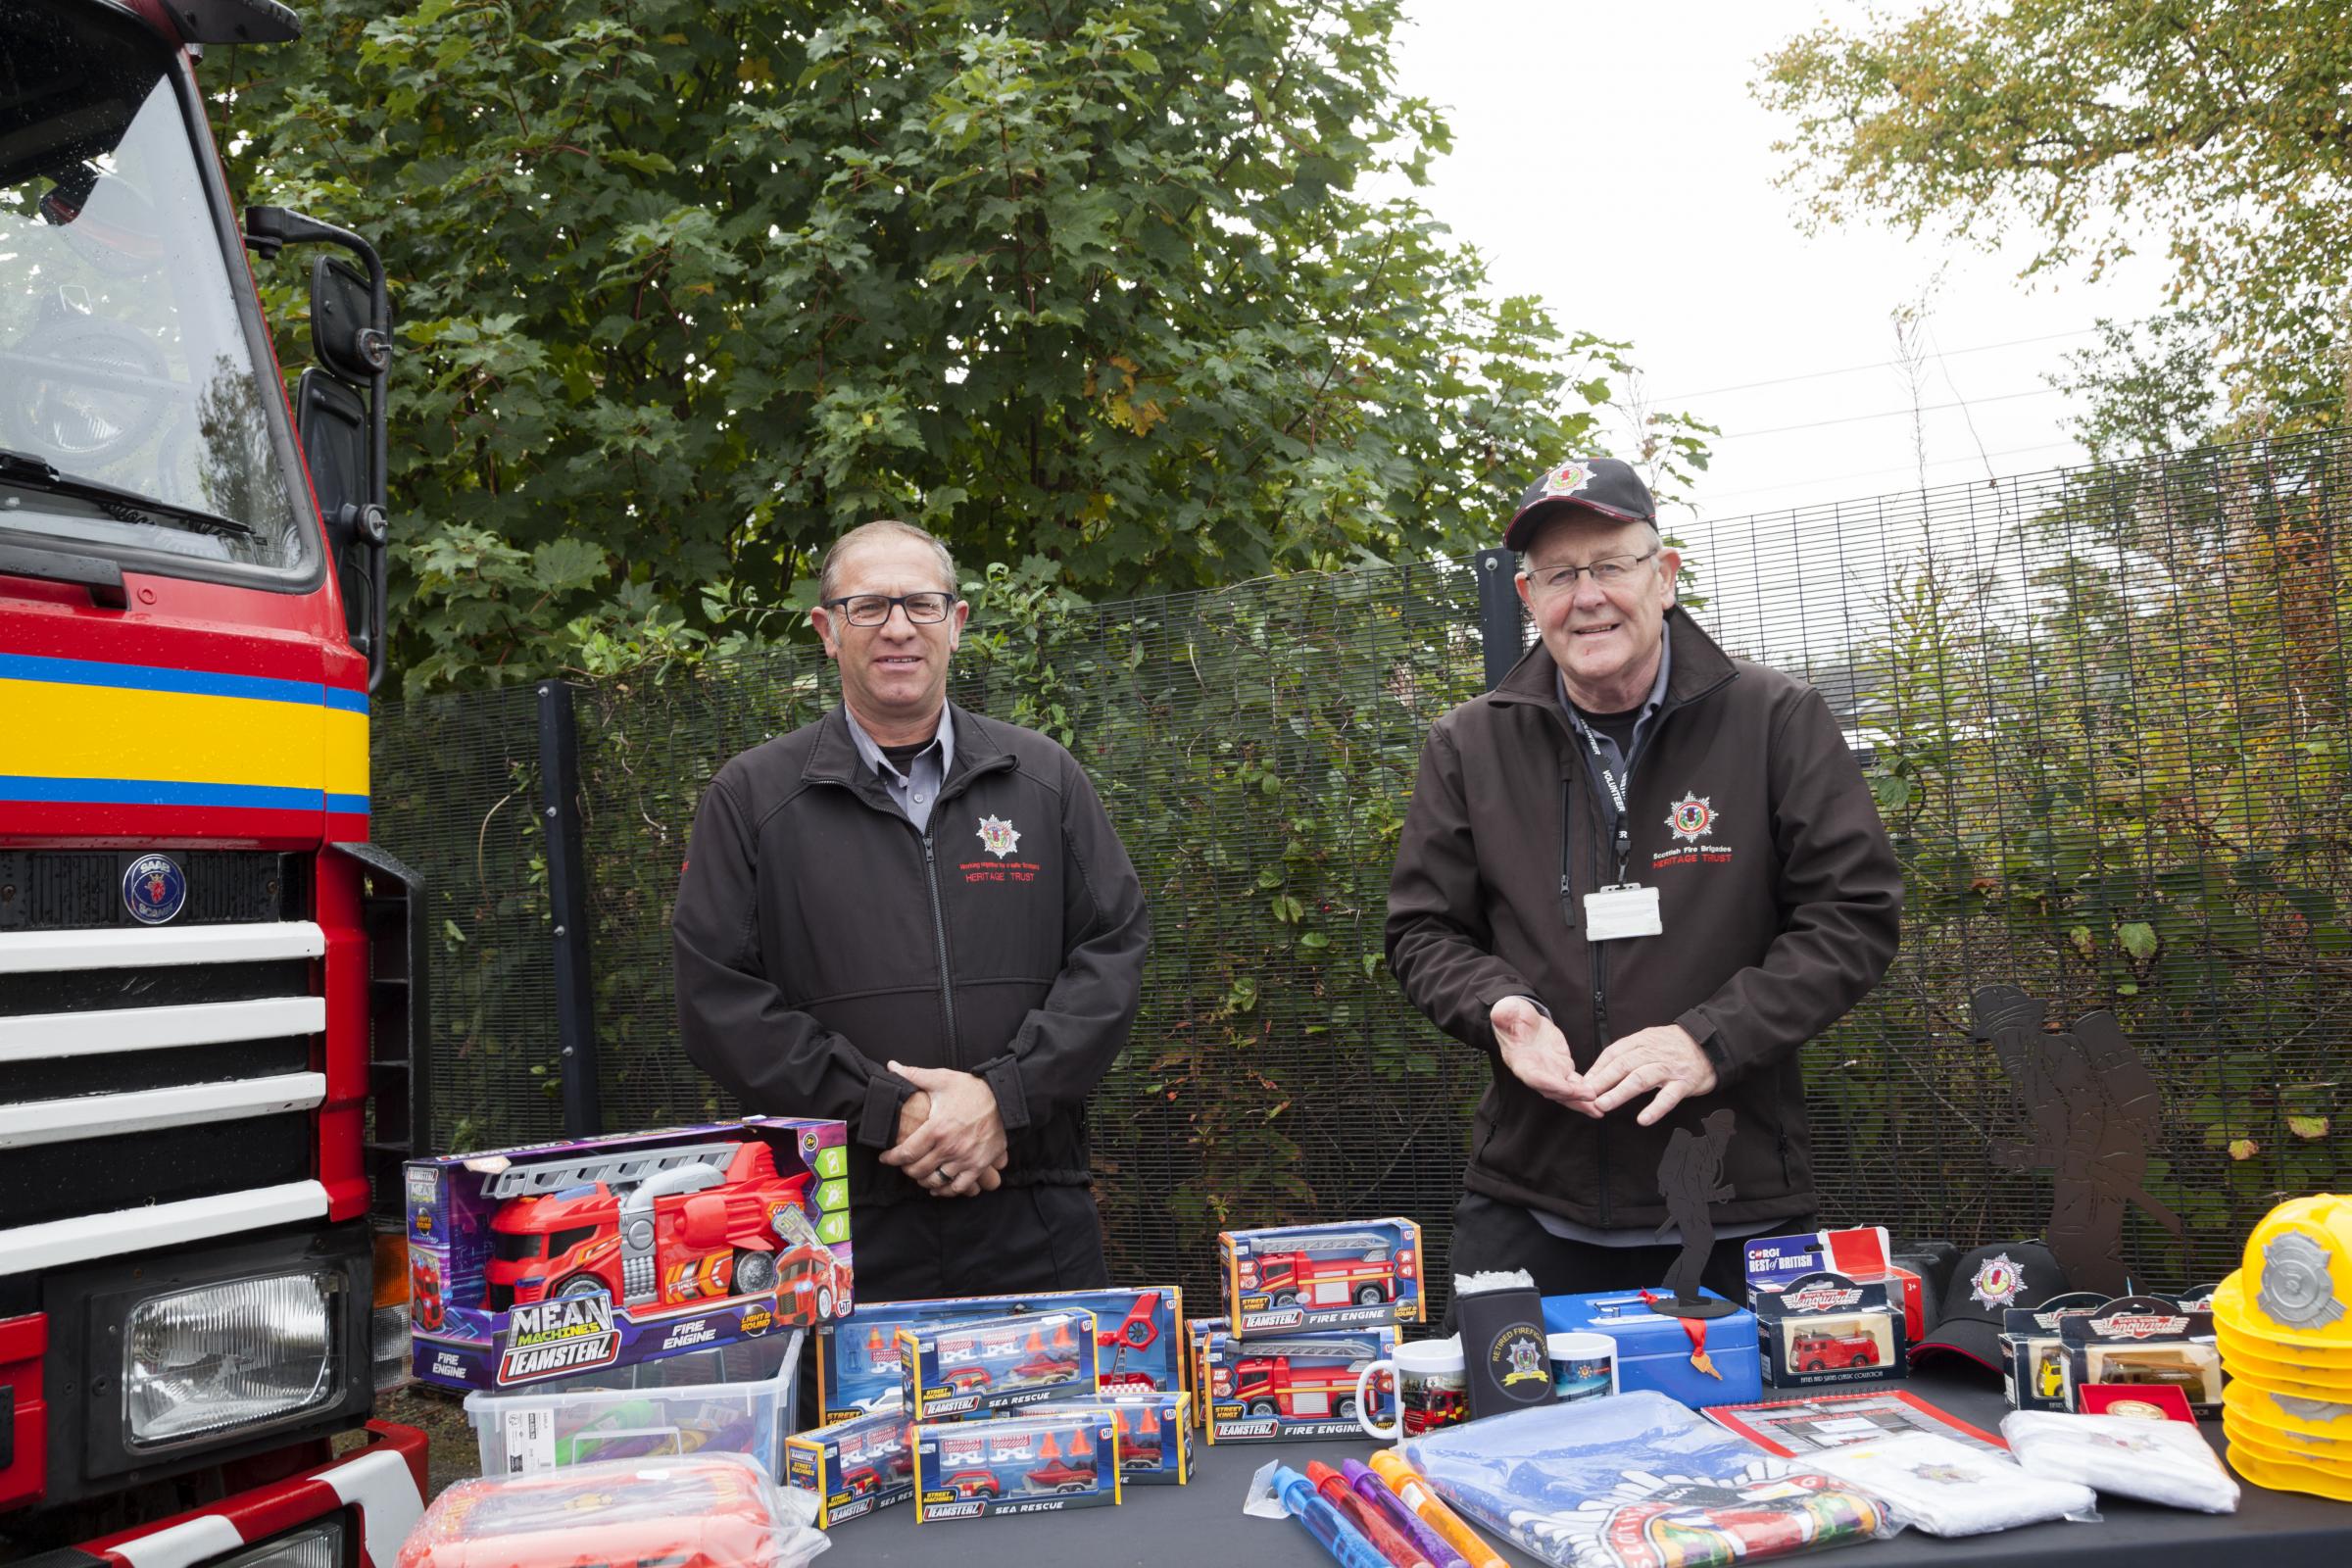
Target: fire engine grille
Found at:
x=70, y=890
x=142, y=1069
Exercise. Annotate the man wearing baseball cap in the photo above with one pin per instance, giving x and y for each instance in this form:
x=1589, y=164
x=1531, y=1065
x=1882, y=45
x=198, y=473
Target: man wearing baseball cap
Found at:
x=1637, y=875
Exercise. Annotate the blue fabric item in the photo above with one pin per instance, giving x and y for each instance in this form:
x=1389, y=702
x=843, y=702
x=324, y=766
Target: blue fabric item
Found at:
x=1635, y=1477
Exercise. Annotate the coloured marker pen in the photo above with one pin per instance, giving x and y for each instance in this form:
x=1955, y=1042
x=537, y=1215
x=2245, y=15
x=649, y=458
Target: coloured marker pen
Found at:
x=1383, y=1535
x=1347, y=1548
x=1432, y=1510
x=1369, y=1487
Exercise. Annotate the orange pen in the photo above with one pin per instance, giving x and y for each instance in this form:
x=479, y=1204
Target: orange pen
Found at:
x=1432, y=1510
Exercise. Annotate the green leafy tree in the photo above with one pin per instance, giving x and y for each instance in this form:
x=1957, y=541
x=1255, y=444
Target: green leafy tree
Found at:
x=1099, y=290
x=2087, y=123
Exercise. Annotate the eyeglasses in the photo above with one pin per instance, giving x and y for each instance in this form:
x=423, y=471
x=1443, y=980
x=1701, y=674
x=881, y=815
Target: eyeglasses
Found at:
x=872, y=609
x=1607, y=573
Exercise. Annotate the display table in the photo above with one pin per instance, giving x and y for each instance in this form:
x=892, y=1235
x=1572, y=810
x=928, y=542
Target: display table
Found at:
x=1202, y=1524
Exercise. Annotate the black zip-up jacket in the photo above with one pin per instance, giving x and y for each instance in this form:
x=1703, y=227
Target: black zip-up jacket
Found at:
x=1778, y=891
x=818, y=936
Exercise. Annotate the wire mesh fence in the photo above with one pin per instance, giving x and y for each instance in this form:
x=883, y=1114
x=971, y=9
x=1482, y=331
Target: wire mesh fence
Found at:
x=2103, y=713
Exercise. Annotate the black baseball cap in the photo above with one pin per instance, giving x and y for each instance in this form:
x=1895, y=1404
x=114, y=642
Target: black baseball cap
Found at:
x=1604, y=485
x=1984, y=1283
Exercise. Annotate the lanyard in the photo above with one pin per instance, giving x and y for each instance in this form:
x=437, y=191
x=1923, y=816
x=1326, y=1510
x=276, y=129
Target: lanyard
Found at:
x=1608, y=776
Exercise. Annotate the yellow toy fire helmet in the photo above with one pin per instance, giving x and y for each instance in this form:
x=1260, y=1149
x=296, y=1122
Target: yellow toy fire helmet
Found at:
x=2298, y=1270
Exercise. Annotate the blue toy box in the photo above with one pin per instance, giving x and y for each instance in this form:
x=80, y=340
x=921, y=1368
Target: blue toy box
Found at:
x=1138, y=1340
x=1654, y=1351
x=996, y=1363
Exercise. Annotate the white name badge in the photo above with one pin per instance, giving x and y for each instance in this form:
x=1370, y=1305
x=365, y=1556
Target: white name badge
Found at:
x=1630, y=910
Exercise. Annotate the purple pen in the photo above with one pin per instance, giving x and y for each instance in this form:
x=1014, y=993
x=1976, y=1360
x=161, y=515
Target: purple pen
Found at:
x=1374, y=1490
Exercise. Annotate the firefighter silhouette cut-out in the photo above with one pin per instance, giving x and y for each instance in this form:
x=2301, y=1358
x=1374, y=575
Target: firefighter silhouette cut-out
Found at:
x=1690, y=1180
x=2093, y=1107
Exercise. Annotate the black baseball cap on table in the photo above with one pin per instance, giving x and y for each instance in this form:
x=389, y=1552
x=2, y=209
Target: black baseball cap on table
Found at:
x=1604, y=485
x=1984, y=1283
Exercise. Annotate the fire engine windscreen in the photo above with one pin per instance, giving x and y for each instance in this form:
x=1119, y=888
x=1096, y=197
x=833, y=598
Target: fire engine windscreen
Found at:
x=123, y=357
x=221, y=1357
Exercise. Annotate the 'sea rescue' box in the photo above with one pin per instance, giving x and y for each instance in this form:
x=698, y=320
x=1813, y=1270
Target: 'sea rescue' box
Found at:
x=854, y=1467
x=1138, y=1346
x=1014, y=1464
x=996, y=1363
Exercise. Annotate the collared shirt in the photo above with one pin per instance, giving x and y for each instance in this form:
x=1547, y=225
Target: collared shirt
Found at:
x=915, y=790
x=1621, y=763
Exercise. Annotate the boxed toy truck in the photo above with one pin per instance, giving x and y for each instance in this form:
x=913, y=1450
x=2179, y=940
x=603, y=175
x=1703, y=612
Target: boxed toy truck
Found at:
x=854, y=1467
x=1304, y=1278
x=996, y=1363
x=1306, y=1385
x=1827, y=1329
x=558, y=1259
x=1138, y=1345
x=1016, y=1464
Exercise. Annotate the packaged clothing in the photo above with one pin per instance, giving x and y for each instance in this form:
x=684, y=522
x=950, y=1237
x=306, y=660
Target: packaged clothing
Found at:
x=1635, y=1481
x=1948, y=1487
x=715, y=1510
x=2156, y=1461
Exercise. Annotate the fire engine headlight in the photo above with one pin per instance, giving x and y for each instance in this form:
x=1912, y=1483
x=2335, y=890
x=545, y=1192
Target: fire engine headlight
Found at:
x=233, y=1355
x=319, y=1546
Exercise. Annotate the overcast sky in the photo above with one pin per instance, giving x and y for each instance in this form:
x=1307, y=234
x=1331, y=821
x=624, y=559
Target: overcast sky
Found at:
x=1611, y=160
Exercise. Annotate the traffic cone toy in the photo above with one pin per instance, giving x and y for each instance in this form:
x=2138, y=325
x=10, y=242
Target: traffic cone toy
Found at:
x=2283, y=1323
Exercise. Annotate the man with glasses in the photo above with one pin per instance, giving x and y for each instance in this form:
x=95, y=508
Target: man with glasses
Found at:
x=1639, y=875
x=920, y=921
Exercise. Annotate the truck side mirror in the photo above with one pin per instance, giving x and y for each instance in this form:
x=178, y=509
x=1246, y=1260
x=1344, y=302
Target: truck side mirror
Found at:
x=345, y=335
x=332, y=421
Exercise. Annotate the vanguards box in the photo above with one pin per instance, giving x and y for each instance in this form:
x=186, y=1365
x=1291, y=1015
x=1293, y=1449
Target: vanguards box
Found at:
x=2034, y=1356
x=1304, y=1278
x=1138, y=1344
x=1827, y=1329
x=2144, y=1340
x=555, y=1259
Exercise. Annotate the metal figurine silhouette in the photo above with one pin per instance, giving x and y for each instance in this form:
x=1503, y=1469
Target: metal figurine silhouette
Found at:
x=2094, y=1108
x=1690, y=1179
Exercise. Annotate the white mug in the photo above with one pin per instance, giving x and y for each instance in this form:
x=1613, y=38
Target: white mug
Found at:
x=1583, y=1366
x=1433, y=1388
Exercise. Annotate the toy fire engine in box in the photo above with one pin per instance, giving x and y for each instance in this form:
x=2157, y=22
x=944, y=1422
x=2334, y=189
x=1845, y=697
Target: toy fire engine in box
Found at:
x=1137, y=1346
x=562, y=1258
x=1311, y=1277
x=1016, y=1465
x=1301, y=1385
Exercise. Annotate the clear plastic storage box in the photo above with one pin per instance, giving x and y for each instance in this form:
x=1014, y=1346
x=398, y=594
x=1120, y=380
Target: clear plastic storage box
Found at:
x=736, y=1398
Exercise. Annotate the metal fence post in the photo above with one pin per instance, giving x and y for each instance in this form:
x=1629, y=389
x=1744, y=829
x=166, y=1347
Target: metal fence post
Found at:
x=1499, y=613
x=567, y=901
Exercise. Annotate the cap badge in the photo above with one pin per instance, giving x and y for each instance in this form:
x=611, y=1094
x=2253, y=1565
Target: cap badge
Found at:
x=1568, y=478
x=1692, y=816
x=997, y=836
x=1997, y=1281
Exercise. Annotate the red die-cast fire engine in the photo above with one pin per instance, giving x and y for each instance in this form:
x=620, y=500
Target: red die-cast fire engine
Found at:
x=1267, y=1384
x=212, y=1020
x=687, y=1234
x=1823, y=1353
x=1346, y=1271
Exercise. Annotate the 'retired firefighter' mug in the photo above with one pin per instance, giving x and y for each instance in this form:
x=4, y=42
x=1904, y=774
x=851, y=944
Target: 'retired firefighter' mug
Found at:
x=1432, y=1389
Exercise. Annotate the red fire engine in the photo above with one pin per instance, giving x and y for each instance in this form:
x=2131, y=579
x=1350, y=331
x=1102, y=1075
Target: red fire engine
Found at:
x=1347, y=1270
x=212, y=1018
x=1267, y=1384
x=1821, y=1352
x=690, y=1232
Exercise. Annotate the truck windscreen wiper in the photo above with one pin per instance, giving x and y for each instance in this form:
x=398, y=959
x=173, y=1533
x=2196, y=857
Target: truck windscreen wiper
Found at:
x=31, y=472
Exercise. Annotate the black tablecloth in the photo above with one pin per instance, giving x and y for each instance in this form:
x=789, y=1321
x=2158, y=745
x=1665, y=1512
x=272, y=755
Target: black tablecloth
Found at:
x=1202, y=1524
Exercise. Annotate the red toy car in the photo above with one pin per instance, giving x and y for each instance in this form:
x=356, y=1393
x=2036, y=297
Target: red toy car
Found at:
x=1823, y=1353
x=975, y=1483
x=1063, y=1475
x=967, y=1379
x=860, y=1481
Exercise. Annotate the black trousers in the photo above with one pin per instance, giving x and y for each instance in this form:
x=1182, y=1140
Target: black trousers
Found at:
x=1488, y=1234
x=990, y=1244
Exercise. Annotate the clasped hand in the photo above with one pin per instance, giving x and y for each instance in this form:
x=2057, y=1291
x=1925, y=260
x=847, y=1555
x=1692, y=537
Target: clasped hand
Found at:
x=951, y=1135
x=1664, y=1059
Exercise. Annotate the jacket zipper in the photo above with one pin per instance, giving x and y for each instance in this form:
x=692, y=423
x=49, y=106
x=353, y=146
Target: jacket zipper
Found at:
x=939, y=931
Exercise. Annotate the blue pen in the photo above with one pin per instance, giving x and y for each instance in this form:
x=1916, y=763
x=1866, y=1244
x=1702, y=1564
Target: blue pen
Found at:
x=1375, y=1491
x=1347, y=1548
